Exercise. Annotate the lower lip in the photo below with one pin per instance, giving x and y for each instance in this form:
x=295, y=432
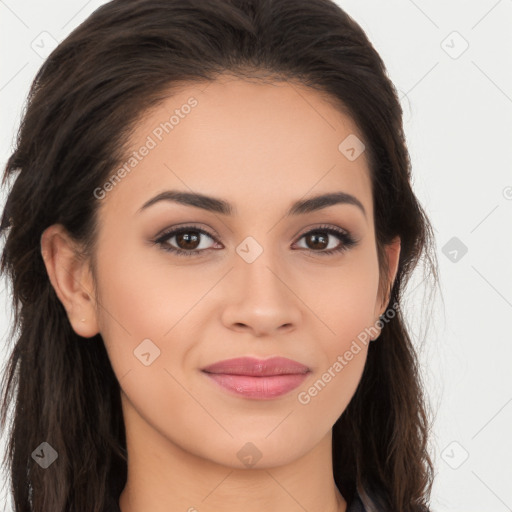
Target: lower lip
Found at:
x=263, y=388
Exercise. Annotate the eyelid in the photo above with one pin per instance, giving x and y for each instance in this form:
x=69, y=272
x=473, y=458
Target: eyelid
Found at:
x=177, y=227
x=347, y=240
x=169, y=233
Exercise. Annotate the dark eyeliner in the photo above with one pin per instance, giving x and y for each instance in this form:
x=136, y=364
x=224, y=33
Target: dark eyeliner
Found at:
x=176, y=231
x=346, y=239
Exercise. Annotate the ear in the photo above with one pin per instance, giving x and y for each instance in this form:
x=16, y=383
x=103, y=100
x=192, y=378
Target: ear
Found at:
x=393, y=255
x=71, y=279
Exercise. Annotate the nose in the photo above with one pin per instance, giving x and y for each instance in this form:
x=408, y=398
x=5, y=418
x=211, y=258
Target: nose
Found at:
x=262, y=300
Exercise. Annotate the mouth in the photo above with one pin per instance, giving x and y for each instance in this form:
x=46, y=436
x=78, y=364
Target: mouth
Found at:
x=262, y=388
x=254, y=367
x=257, y=378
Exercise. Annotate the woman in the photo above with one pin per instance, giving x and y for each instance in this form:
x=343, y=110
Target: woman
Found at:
x=208, y=237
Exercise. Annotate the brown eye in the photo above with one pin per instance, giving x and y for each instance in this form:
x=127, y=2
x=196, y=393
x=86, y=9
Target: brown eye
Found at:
x=192, y=241
x=189, y=241
x=317, y=240
x=322, y=238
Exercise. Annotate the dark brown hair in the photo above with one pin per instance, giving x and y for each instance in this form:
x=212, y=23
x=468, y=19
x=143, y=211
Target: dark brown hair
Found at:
x=82, y=107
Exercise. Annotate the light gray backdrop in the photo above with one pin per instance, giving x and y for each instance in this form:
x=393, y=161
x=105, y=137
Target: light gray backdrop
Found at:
x=452, y=63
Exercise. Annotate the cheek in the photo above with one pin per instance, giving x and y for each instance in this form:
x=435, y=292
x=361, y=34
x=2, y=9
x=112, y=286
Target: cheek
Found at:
x=142, y=295
x=344, y=300
x=346, y=307
x=145, y=303
x=342, y=358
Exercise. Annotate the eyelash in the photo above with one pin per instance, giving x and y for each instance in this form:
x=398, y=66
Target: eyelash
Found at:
x=347, y=241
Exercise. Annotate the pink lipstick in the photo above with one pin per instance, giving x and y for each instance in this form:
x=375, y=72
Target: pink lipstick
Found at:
x=258, y=378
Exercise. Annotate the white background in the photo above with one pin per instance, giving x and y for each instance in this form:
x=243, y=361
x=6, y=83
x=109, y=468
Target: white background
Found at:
x=458, y=122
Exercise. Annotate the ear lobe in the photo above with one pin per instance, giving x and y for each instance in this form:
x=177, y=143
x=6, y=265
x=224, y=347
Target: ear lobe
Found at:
x=70, y=278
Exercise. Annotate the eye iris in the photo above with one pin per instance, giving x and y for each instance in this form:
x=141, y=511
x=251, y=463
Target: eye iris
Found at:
x=188, y=239
x=319, y=240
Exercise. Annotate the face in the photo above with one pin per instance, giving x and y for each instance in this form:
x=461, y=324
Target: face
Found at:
x=261, y=280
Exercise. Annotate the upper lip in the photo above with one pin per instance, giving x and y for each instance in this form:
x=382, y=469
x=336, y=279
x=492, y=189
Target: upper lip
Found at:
x=257, y=367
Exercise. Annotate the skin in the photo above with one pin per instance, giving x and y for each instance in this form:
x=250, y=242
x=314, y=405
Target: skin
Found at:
x=261, y=147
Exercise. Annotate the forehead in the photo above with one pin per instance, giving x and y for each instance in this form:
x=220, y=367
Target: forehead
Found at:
x=252, y=143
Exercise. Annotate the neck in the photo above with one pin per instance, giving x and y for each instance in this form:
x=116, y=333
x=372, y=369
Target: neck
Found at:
x=164, y=477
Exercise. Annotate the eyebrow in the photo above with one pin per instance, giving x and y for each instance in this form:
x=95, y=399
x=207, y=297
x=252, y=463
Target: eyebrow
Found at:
x=216, y=205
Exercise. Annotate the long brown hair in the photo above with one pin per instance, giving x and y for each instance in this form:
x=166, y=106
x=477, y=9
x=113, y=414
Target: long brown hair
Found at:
x=83, y=105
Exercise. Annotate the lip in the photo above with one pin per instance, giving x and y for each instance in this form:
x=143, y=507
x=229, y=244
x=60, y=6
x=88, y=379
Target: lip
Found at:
x=252, y=366
x=263, y=379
